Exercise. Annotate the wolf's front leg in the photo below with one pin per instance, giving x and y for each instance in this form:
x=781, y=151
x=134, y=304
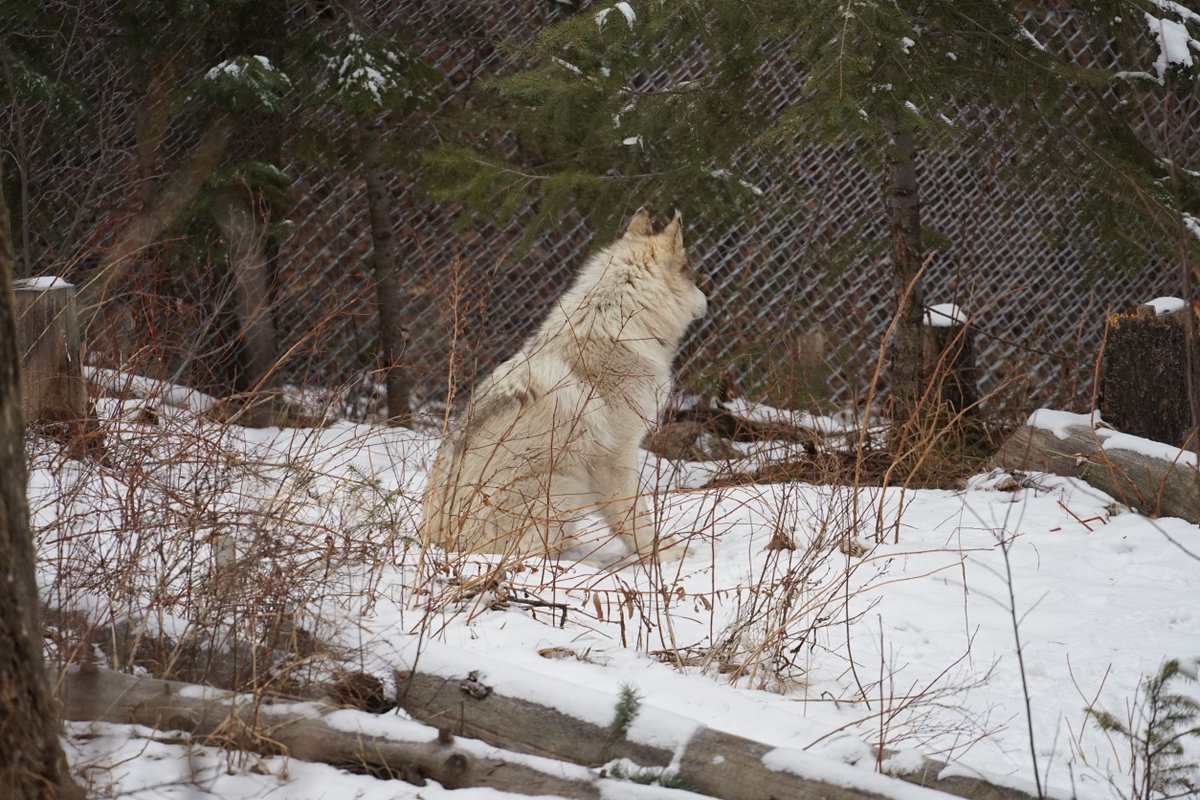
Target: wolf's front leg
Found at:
x=626, y=511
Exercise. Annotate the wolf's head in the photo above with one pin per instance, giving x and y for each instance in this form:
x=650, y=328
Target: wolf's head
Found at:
x=663, y=257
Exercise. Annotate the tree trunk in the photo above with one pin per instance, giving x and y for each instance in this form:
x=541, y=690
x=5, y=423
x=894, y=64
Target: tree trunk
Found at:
x=904, y=219
x=393, y=335
x=245, y=236
x=32, y=764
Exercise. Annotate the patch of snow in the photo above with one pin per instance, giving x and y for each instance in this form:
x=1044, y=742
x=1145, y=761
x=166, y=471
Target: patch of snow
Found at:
x=626, y=10
x=171, y=394
x=1179, y=9
x=42, y=283
x=1192, y=224
x=567, y=65
x=1166, y=305
x=813, y=767
x=1027, y=35
x=1060, y=422
x=1115, y=440
x=1173, y=40
x=944, y=315
x=745, y=184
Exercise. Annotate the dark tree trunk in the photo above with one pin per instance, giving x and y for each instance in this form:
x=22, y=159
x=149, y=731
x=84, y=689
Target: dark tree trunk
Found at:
x=32, y=764
x=245, y=235
x=393, y=335
x=904, y=220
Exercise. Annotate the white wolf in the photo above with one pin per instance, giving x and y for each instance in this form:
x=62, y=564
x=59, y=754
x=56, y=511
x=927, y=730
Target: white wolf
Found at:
x=552, y=433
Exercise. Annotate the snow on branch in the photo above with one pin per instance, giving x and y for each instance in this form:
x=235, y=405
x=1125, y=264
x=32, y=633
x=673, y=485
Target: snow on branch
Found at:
x=370, y=76
x=248, y=80
x=625, y=9
x=1175, y=44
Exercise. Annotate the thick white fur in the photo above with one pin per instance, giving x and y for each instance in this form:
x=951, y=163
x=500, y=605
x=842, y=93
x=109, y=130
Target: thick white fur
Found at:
x=552, y=433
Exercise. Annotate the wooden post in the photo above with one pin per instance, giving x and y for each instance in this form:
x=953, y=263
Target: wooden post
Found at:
x=52, y=386
x=1143, y=372
x=949, y=356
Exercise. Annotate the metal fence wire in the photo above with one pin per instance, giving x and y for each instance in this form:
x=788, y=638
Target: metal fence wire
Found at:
x=785, y=328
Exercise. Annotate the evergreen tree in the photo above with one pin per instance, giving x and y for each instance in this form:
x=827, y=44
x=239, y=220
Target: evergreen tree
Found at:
x=226, y=93
x=372, y=83
x=658, y=101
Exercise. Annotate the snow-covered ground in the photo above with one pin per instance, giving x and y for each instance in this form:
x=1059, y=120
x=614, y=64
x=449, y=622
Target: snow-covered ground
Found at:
x=913, y=645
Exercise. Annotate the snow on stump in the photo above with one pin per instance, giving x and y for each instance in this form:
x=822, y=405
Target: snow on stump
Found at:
x=52, y=386
x=949, y=358
x=1143, y=387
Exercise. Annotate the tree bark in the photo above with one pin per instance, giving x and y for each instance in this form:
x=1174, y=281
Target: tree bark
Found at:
x=246, y=238
x=1144, y=386
x=904, y=220
x=393, y=334
x=32, y=764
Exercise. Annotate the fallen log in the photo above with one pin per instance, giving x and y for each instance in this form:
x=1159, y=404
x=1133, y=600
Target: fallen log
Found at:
x=705, y=430
x=1165, y=483
x=384, y=746
x=708, y=761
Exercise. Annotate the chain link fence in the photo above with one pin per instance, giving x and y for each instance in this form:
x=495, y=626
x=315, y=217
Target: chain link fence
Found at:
x=783, y=326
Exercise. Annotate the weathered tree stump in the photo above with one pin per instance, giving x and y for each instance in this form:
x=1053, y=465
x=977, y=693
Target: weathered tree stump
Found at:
x=52, y=386
x=948, y=352
x=1144, y=372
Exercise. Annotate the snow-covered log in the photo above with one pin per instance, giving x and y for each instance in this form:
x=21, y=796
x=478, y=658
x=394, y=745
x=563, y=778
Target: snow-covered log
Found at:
x=526, y=748
x=708, y=761
x=1143, y=381
x=383, y=746
x=1154, y=478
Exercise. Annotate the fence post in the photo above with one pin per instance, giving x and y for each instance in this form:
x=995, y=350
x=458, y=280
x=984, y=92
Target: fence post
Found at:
x=1143, y=372
x=52, y=386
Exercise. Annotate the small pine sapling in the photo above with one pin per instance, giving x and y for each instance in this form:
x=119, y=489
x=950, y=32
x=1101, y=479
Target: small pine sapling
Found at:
x=627, y=709
x=1164, y=719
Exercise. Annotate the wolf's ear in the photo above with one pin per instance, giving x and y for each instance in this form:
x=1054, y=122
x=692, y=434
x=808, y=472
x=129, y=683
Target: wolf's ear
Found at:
x=674, y=232
x=640, y=224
